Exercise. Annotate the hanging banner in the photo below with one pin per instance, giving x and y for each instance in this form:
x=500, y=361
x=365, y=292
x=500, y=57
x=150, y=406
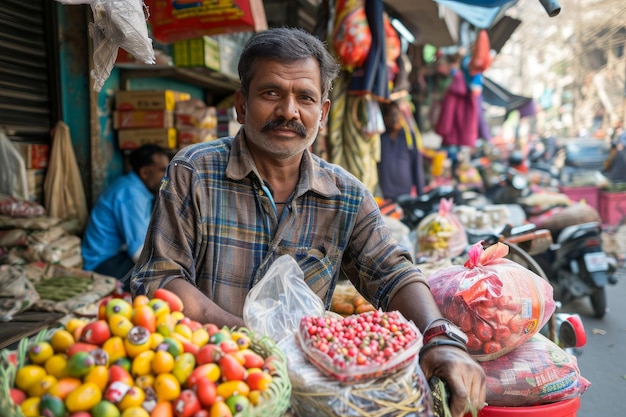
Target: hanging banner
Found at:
x=176, y=20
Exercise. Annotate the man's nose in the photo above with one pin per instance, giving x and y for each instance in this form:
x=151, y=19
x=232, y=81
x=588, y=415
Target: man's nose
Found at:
x=288, y=108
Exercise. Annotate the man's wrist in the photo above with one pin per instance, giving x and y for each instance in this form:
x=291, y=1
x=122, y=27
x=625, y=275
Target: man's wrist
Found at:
x=441, y=342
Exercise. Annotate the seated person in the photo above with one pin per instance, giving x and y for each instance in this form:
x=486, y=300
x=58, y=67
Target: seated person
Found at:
x=119, y=220
x=615, y=165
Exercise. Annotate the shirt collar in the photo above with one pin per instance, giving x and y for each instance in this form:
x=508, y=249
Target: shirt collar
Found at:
x=312, y=176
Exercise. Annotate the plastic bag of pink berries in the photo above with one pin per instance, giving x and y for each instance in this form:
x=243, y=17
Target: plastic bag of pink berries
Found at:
x=362, y=346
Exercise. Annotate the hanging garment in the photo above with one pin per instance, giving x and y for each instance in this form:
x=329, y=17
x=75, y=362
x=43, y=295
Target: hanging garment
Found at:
x=458, y=119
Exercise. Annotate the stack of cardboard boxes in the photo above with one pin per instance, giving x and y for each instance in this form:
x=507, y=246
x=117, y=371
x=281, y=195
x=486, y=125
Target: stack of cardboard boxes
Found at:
x=146, y=116
x=167, y=118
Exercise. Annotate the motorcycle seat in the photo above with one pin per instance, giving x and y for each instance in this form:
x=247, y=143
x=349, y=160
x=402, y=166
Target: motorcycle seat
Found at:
x=577, y=229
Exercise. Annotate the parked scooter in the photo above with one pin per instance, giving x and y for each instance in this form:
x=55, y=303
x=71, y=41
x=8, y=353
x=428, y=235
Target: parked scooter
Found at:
x=416, y=208
x=575, y=263
x=578, y=267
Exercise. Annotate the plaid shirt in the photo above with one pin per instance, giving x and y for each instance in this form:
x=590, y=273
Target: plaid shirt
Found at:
x=215, y=225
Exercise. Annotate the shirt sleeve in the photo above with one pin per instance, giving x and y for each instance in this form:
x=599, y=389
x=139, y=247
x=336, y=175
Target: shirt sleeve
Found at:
x=134, y=219
x=374, y=262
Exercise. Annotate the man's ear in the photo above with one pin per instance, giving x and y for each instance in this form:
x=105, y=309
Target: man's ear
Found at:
x=240, y=106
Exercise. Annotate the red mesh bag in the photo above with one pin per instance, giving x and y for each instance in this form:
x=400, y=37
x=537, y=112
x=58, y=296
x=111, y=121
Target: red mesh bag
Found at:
x=498, y=303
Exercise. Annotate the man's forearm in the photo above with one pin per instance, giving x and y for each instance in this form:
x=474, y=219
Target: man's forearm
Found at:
x=199, y=307
x=416, y=303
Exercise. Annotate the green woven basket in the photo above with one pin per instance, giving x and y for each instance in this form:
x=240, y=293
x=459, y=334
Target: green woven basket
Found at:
x=274, y=402
x=276, y=398
x=10, y=362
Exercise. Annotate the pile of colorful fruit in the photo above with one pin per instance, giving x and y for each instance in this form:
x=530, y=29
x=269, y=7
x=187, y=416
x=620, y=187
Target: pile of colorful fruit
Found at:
x=144, y=359
x=361, y=346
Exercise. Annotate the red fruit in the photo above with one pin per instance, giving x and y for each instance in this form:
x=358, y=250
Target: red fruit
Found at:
x=202, y=413
x=17, y=395
x=188, y=345
x=174, y=301
x=231, y=369
x=97, y=332
x=206, y=391
x=102, y=308
x=229, y=346
x=208, y=354
x=80, y=347
x=186, y=404
x=192, y=324
x=119, y=373
x=492, y=347
x=211, y=328
x=144, y=316
x=253, y=359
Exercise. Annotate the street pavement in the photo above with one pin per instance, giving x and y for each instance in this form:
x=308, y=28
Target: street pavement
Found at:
x=603, y=359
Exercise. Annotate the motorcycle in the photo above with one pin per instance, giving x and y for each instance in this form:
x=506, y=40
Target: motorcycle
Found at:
x=578, y=267
x=575, y=263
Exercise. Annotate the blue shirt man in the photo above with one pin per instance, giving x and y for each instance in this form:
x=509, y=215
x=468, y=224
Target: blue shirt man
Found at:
x=119, y=220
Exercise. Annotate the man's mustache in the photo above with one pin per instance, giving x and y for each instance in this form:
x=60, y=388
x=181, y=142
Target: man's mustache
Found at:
x=287, y=124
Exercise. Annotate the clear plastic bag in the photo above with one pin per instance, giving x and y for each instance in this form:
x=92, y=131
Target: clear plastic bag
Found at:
x=498, y=303
x=537, y=372
x=275, y=306
x=441, y=234
x=116, y=24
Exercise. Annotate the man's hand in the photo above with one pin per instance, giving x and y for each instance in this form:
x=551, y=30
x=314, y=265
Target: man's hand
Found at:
x=199, y=307
x=464, y=376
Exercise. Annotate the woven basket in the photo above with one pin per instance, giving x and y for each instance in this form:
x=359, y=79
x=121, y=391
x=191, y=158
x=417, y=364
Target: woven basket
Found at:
x=274, y=403
x=10, y=362
x=276, y=398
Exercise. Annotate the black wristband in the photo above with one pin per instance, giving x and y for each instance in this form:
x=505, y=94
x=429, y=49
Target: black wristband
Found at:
x=442, y=342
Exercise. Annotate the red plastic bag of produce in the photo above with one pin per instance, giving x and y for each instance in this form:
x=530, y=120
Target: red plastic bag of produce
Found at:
x=537, y=372
x=498, y=303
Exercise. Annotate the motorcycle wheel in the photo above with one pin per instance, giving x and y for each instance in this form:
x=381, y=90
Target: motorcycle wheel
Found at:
x=598, y=302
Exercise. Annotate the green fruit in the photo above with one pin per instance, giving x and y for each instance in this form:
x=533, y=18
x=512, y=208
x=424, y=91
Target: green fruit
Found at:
x=80, y=363
x=238, y=404
x=119, y=306
x=105, y=409
x=51, y=406
x=220, y=336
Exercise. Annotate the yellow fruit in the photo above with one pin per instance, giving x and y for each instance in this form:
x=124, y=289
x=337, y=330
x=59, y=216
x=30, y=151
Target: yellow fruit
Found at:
x=133, y=398
x=135, y=412
x=145, y=381
x=183, y=330
x=64, y=387
x=99, y=376
x=28, y=376
x=115, y=348
x=120, y=325
x=61, y=340
x=83, y=398
x=74, y=323
x=155, y=340
x=57, y=366
x=163, y=362
x=40, y=352
x=228, y=388
x=30, y=407
x=167, y=387
x=200, y=337
x=142, y=363
x=42, y=387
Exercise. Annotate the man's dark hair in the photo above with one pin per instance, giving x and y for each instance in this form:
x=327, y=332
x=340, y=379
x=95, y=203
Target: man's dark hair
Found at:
x=286, y=44
x=142, y=156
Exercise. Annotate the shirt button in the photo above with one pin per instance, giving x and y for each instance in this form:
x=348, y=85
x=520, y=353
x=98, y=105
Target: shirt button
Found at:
x=261, y=192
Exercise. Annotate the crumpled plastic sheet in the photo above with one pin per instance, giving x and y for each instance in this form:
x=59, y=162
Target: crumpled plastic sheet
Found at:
x=116, y=24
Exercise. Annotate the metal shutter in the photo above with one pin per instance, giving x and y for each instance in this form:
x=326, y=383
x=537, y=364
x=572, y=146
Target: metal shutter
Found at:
x=29, y=86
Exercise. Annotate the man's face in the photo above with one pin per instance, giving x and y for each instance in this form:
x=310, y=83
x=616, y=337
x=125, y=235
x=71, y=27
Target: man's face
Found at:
x=284, y=108
x=151, y=175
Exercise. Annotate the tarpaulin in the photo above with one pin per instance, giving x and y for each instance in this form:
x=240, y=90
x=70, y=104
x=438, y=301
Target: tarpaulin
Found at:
x=480, y=13
x=496, y=95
